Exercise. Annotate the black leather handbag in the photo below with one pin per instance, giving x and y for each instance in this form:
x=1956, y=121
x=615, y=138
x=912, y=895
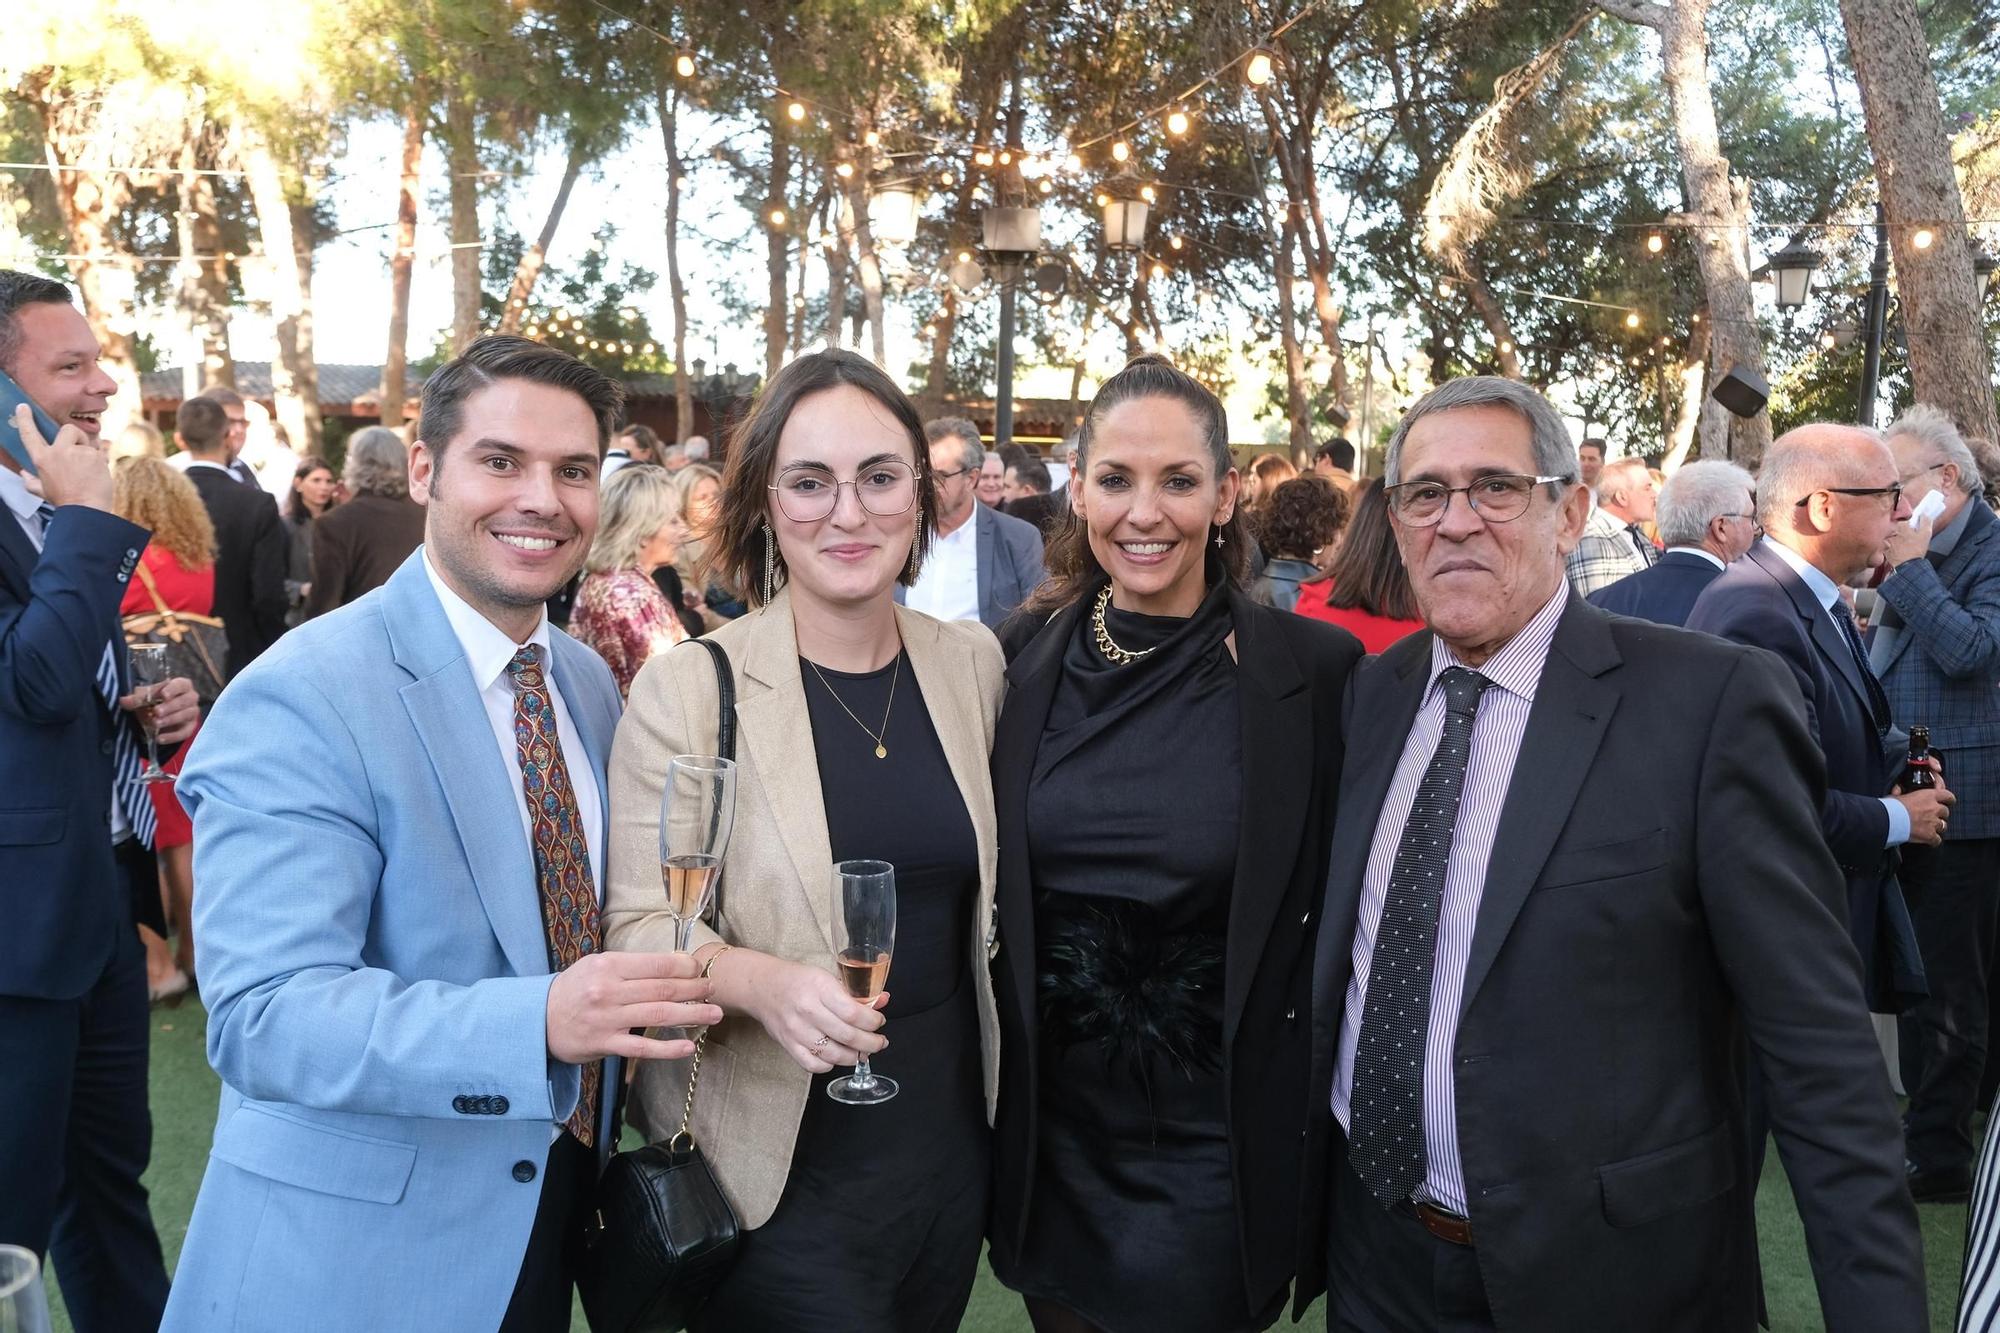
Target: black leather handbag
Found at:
x=663, y=1234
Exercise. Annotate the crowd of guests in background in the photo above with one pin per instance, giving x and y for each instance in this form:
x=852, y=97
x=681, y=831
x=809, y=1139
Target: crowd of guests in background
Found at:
x=1175, y=1050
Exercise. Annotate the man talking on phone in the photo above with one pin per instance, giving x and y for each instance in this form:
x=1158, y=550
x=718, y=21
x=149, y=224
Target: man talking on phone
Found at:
x=75, y=829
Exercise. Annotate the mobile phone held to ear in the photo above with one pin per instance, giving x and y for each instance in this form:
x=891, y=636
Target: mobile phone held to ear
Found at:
x=11, y=397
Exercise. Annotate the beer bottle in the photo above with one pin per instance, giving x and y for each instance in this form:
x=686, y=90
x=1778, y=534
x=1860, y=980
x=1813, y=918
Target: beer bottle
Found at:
x=1917, y=775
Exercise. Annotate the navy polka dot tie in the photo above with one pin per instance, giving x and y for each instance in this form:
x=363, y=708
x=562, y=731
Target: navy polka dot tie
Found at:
x=1385, y=1142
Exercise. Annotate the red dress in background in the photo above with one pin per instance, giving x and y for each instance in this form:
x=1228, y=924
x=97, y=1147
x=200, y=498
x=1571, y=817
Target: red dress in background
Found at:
x=191, y=591
x=1377, y=633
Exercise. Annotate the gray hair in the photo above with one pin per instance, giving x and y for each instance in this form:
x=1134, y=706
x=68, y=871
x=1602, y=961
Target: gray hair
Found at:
x=377, y=463
x=1934, y=429
x=1800, y=462
x=1699, y=494
x=972, y=454
x=695, y=449
x=1555, y=454
x=1620, y=473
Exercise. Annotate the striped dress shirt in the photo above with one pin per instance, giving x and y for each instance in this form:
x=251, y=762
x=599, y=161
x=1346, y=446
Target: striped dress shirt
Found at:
x=1496, y=743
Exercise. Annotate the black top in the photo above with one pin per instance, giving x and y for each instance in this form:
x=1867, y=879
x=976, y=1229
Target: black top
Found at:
x=906, y=810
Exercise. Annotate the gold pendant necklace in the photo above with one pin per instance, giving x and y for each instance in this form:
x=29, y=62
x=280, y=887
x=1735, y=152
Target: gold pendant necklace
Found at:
x=881, y=749
x=1112, y=652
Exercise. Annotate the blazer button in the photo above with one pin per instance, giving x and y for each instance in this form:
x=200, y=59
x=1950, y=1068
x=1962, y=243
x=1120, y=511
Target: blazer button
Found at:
x=105, y=747
x=1291, y=1014
x=524, y=1171
x=499, y=1106
x=458, y=1105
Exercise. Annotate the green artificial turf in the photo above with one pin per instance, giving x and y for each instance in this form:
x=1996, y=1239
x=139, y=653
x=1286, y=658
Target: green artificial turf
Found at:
x=184, y=1114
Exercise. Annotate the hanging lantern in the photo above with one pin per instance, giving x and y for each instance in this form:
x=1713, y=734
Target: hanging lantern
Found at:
x=892, y=215
x=1125, y=222
x=1791, y=273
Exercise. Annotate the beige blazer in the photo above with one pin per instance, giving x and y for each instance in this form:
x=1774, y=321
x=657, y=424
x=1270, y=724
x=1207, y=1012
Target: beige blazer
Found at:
x=778, y=873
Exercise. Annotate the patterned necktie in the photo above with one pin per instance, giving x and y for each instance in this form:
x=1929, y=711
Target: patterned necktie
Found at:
x=1647, y=551
x=1386, y=1107
x=126, y=789
x=562, y=857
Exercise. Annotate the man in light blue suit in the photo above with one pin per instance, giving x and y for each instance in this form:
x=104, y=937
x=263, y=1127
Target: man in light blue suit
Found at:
x=399, y=818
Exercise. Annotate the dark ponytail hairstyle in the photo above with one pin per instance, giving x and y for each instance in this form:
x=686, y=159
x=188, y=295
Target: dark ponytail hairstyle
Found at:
x=1074, y=571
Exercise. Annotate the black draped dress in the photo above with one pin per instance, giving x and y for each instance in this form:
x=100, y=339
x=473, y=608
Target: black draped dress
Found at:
x=1133, y=817
x=880, y=1223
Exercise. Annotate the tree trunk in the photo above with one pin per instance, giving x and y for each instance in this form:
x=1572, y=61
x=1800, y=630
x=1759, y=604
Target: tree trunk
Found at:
x=669, y=111
x=855, y=204
x=284, y=222
x=462, y=155
x=1693, y=376
x=1298, y=403
x=777, y=248
x=203, y=294
x=836, y=272
x=938, y=373
x=530, y=266
x=1720, y=214
x=1505, y=350
x=1292, y=146
x=90, y=202
x=394, y=395
x=1950, y=363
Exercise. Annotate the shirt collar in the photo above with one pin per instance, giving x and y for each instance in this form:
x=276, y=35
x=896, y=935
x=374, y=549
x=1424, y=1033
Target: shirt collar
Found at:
x=1701, y=551
x=223, y=468
x=487, y=649
x=1517, y=667
x=14, y=493
x=1815, y=578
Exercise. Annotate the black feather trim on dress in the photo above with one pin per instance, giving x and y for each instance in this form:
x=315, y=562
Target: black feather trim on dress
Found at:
x=1108, y=973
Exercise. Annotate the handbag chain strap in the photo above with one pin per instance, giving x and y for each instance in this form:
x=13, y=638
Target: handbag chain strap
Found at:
x=694, y=1074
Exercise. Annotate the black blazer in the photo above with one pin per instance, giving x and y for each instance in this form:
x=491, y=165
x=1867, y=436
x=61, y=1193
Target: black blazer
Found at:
x=1291, y=676
x=1663, y=594
x=252, y=556
x=1762, y=601
x=1658, y=890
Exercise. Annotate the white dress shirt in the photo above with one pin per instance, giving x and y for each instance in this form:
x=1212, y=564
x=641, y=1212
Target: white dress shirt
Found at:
x=488, y=650
x=1701, y=551
x=948, y=587
x=26, y=508
x=1497, y=729
x=1828, y=593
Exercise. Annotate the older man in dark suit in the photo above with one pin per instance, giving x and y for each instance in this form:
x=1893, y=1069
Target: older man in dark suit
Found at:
x=1935, y=643
x=252, y=552
x=982, y=564
x=1538, y=962
x=1707, y=518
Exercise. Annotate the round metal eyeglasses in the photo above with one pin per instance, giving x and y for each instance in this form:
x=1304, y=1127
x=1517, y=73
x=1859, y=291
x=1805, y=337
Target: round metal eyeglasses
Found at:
x=884, y=489
x=1499, y=498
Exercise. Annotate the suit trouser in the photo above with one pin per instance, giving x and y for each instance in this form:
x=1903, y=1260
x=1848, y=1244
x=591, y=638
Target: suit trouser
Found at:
x=1385, y=1271
x=75, y=1136
x=1954, y=896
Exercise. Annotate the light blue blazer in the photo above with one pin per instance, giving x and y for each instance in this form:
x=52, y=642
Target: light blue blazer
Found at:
x=376, y=977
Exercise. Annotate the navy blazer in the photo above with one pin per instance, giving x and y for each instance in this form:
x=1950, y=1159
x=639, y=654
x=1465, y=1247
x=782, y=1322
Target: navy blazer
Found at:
x=60, y=895
x=1762, y=601
x=1663, y=594
x=1945, y=662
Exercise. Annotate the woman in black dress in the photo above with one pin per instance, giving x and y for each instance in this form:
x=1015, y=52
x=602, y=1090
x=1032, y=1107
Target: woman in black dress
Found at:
x=1163, y=773
x=865, y=730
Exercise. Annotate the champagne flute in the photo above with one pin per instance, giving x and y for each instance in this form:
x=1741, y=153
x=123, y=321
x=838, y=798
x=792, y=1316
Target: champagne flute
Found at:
x=24, y=1305
x=149, y=669
x=864, y=936
x=697, y=812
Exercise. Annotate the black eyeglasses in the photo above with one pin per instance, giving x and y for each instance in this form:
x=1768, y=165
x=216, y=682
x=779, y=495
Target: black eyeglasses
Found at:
x=1895, y=493
x=947, y=476
x=1922, y=470
x=1499, y=498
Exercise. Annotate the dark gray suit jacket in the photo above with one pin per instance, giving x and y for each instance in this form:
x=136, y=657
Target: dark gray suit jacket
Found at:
x=1010, y=564
x=1658, y=892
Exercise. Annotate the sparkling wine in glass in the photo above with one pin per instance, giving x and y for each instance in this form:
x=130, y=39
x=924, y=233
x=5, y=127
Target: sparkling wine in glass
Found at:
x=864, y=937
x=697, y=811
x=149, y=672
x=24, y=1305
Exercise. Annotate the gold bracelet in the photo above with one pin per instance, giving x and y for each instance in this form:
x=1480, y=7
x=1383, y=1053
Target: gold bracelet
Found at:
x=711, y=960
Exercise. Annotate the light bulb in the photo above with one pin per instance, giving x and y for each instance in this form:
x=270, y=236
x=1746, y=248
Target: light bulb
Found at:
x=1655, y=243
x=1632, y=320
x=1075, y=162
x=1121, y=151
x=872, y=139
x=845, y=170
x=777, y=217
x=797, y=111
x=1159, y=270
x=1149, y=194
x=1177, y=123
x=1923, y=238
x=1174, y=242
x=684, y=65
x=1258, y=70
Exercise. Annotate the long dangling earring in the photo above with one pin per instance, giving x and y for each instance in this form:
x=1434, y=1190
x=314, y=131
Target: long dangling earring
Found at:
x=910, y=568
x=1218, y=536
x=770, y=564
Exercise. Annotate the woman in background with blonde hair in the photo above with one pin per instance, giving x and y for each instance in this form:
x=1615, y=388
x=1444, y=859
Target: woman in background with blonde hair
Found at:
x=141, y=439
x=619, y=611
x=179, y=562
x=701, y=497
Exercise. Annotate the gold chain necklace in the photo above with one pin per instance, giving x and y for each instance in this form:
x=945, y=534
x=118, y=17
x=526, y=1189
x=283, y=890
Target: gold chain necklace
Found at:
x=881, y=750
x=1112, y=652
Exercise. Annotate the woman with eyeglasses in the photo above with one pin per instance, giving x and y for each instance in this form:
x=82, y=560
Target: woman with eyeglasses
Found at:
x=864, y=734
x=1164, y=775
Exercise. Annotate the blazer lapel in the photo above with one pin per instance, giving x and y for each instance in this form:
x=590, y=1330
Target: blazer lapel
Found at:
x=777, y=732
x=1566, y=725
x=1031, y=692
x=983, y=551
x=1276, y=728
x=450, y=720
x=18, y=556
x=594, y=726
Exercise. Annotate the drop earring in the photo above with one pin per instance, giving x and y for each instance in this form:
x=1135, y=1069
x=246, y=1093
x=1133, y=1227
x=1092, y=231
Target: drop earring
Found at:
x=910, y=566
x=770, y=564
x=1218, y=537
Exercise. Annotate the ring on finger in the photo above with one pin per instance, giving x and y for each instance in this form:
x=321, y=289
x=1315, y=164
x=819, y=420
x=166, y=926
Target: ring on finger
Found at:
x=820, y=1045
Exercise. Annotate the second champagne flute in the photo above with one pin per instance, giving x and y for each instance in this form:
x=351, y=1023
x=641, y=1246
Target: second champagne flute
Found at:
x=149, y=672
x=697, y=812
x=864, y=936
